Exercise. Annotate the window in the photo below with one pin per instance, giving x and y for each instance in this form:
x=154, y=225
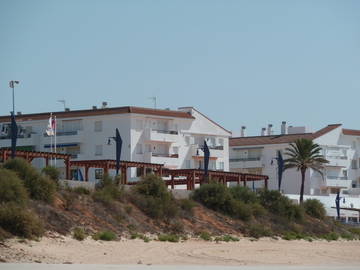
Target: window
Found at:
x=221, y=166
x=98, y=126
x=98, y=174
x=354, y=164
x=98, y=150
x=139, y=150
x=139, y=172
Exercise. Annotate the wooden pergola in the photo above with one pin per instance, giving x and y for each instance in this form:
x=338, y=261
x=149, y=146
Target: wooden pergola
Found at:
x=109, y=164
x=5, y=154
x=190, y=177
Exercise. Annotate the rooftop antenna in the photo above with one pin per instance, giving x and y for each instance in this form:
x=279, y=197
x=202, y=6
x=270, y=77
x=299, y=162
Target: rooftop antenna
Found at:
x=63, y=102
x=154, y=100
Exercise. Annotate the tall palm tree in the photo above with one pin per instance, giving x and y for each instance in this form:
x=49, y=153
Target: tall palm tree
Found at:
x=304, y=154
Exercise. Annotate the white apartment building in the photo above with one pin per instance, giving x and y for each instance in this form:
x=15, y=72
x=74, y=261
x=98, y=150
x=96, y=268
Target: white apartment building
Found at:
x=170, y=137
x=341, y=147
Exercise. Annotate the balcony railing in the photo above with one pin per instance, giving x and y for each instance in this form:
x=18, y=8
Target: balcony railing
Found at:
x=165, y=155
x=336, y=157
x=174, y=132
x=64, y=133
x=244, y=159
x=337, y=177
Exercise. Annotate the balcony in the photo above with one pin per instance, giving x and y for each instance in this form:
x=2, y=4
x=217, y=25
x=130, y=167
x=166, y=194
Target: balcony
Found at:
x=215, y=151
x=154, y=135
x=243, y=163
x=337, y=161
x=75, y=136
x=22, y=140
x=333, y=181
x=169, y=160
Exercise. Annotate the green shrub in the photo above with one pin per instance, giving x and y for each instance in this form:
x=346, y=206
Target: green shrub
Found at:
x=169, y=238
x=79, y=234
x=38, y=186
x=153, y=198
x=280, y=205
x=107, y=194
x=314, y=208
x=187, y=205
x=243, y=194
x=214, y=196
x=332, y=236
x=105, y=236
x=52, y=172
x=228, y=238
x=257, y=209
x=12, y=188
x=81, y=190
x=355, y=232
x=240, y=210
x=205, y=236
x=347, y=236
x=20, y=222
x=258, y=231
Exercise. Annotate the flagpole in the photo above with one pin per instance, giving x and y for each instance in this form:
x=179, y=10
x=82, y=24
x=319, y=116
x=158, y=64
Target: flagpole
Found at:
x=51, y=142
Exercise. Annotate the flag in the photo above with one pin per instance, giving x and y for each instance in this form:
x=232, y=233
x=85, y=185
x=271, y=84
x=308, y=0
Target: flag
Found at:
x=50, y=130
x=118, y=150
x=11, y=84
x=14, y=132
x=206, y=158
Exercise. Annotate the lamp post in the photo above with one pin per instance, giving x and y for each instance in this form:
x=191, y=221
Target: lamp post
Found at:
x=12, y=85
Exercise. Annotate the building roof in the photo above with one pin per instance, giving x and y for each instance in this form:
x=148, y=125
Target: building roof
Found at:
x=351, y=132
x=280, y=139
x=105, y=111
x=212, y=121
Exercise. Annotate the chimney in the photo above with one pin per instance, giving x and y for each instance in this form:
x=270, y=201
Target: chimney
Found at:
x=269, y=129
x=263, y=131
x=283, y=127
x=19, y=113
x=242, y=132
x=104, y=104
x=94, y=107
x=67, y=109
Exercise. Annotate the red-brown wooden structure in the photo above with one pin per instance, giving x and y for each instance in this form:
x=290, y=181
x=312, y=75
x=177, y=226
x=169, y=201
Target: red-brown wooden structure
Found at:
x=5, y=154
x=108, y=164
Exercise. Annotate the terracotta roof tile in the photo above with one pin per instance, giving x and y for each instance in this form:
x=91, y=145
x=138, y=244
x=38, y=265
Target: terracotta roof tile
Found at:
x=279, y=139
x=351, y=132
x=106, y=111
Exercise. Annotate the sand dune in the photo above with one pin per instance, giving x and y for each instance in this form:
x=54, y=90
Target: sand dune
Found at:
x=191, y=252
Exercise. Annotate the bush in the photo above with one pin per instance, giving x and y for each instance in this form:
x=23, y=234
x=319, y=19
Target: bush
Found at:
x=257, y=209
x=19, y=221
x=81, y=190
x=214, y=196
x=169, y=238
x=187, y=205
x=243, y=194
x=280, y=205
x=227, y=238
x=240, y=210
x=258, y=231
x=79, y=234
x=105, y=236
x=205, y=236
x=355, y=231
x=107, y=191
x=314, y=208
x=52, y=172
x=38, y=186
x=332, y=236
x=153, y=198
x=12, y=188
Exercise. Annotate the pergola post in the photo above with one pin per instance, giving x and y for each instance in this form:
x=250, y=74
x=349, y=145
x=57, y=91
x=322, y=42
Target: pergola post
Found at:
x=144, y=171
x=266, y=183
x=46, y=161
x=86, y=173
x=192, y=187
x=67, y=168
x=125, y=174
x=244, y=180
x=238, y=179
x=172, y=182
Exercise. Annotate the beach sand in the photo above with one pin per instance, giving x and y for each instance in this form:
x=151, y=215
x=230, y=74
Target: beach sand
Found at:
x=62, y=249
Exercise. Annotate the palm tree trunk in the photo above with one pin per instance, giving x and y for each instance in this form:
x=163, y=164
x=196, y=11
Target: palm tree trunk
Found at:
x=302, y=185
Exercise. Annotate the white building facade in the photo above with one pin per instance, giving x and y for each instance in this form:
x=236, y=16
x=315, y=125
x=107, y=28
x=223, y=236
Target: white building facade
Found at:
x=341, y=147
x=170, y=137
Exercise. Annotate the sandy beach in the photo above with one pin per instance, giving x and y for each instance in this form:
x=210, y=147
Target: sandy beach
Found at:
x=191, y=252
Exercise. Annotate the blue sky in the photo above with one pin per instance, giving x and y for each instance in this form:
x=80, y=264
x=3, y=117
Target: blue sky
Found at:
x=239, y=62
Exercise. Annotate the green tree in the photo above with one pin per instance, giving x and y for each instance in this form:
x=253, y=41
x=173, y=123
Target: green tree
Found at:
x=304, y=154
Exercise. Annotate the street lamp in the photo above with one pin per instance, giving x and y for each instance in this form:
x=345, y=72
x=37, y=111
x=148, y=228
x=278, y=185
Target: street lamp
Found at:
x=12, y=85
